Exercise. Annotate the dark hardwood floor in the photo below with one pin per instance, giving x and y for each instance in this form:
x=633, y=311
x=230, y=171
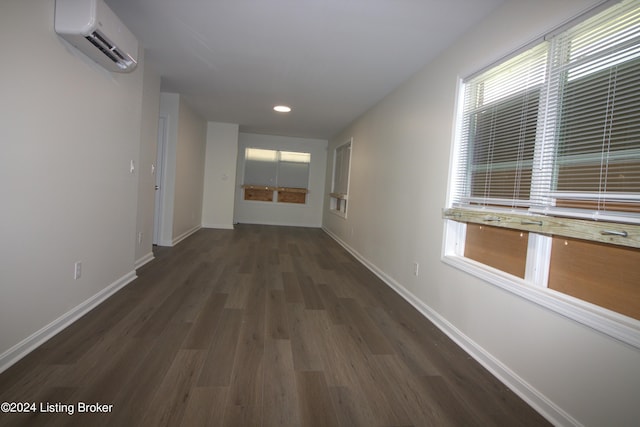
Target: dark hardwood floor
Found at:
x=258, y=326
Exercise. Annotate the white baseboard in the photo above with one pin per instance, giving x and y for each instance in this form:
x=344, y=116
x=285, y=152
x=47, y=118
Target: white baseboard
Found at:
x=524, y=390
x=218, y=226
x=144, y=260
x=184, y=235
x=26, y=346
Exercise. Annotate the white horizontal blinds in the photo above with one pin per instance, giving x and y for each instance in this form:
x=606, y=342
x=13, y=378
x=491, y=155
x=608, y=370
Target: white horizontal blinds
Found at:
x=591, y=152
x=498, y=132
x=260, y=167
x=293, y=169
x=341, y=169
x=272, y=168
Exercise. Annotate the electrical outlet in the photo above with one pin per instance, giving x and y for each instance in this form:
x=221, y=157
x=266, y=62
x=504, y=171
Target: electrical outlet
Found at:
x=416, y=268
x=77, y=270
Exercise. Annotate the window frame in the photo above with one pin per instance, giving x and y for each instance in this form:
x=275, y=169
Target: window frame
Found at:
x=533, y=286
x=338, y=200
x=273, y=192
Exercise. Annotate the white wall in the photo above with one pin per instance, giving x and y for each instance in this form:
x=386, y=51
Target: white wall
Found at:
x=400, y=161
x=183, y=170
x=146, y=166
x=308, y=215
x=68, y=132
x=220, y=175
x=189, y=184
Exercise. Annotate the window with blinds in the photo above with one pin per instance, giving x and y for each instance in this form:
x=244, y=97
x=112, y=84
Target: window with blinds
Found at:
x=545, y=182
x=341, y=169
x=591, y=156
x=260, y=167
x=556, y=129
x=499, y=127
x=269, y=172
x=340, y=180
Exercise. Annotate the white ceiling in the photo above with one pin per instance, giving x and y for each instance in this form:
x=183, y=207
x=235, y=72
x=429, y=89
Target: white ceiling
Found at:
x=330, y=60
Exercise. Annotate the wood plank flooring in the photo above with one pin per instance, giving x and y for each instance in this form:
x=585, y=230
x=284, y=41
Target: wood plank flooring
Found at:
x=258, y=326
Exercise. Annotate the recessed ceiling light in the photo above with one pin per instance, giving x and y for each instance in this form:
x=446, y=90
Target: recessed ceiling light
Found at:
x=282, y=108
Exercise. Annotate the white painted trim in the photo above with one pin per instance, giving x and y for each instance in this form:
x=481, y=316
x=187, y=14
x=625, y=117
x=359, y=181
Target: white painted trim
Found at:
x=144, y=260
x=526, y=391
x=161, y=179
x=184, y=235
x=616, y=325
x=218, y=226
x=165, y=243
x=26, y=346
x=534, y=289
x=538, y=259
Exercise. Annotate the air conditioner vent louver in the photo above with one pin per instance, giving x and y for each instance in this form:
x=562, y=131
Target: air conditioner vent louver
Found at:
x=109, y=50
x=96, y=31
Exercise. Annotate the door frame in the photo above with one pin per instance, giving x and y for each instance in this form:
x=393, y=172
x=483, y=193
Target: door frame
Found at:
x=161, y=156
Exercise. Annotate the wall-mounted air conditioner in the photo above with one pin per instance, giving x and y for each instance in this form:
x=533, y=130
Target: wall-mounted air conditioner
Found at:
x=96, y=31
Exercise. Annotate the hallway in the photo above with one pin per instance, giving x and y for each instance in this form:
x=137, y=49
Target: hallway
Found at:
x=261, y=325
